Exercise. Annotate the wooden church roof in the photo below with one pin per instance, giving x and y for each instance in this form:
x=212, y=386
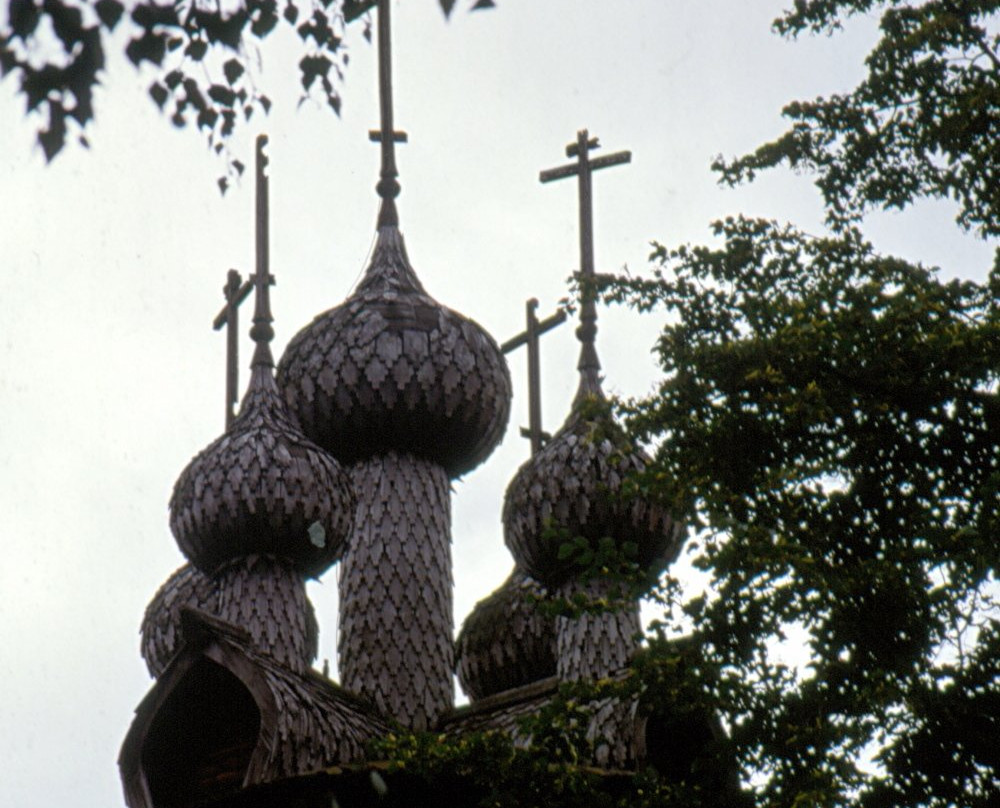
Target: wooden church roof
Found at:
x=224, y=717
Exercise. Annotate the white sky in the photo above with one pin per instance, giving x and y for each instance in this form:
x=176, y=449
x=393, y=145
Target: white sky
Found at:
x=112, y=263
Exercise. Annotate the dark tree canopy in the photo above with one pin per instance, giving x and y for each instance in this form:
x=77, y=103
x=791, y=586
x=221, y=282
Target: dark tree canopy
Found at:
x=831, y=422
x=828, y=421
x=188, y=40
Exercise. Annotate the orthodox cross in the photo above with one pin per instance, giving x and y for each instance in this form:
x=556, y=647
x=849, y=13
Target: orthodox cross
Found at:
x=583, y=168
x=229, y=318
x=386, y=135
x=529, y=337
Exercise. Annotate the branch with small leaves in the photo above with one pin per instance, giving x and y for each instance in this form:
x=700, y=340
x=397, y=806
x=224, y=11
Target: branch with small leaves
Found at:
x=207, y=53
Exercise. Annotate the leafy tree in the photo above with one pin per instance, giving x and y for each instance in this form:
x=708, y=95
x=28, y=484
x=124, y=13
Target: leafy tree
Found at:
x=55, y=51
x=829, y=421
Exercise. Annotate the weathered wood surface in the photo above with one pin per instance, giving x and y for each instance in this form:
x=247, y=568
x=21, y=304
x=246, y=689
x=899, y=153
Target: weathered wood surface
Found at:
x=161, y=624
x=395, y=587
x=307, y=723
x=267, y=597
x=506, y=641
x=616, y=733
x=263, y=595
x=593, y=644
x=262, y=488
x=503, y=713
x=575, y=483
x=615, y=730
x=393, y=370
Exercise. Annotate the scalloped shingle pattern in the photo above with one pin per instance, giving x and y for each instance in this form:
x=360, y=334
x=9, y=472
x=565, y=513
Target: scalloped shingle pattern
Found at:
x=506, y=641
x=593, y=644
x=264, y=596
x=161, y=624
x=395, y=642
x=318, y=725
x=262, y=488
x=268, y=598
x=393, y=370
x=575, y=484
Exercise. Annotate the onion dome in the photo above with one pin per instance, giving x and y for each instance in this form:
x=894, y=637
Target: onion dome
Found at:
x=393, y=370
x=574, y=485
x=506, y=641
x=263, y=488
x=267, y=597
x=161, y=624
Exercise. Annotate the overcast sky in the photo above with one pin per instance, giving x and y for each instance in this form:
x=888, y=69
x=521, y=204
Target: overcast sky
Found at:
x=112, y=262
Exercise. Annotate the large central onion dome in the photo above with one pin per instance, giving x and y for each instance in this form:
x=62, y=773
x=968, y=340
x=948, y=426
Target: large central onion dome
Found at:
x=391, y=369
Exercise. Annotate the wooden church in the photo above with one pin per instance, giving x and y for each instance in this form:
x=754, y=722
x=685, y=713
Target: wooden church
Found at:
x=342, y=452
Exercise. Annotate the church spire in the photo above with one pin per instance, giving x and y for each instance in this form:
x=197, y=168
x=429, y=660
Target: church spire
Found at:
x=388, y=184
x=262, y=333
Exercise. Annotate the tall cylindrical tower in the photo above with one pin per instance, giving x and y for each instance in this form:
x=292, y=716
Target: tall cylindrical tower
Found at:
x=410, y=394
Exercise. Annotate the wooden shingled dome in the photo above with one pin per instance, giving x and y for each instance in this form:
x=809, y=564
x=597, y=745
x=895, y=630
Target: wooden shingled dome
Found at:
x=393, y=370
x=506, y=641
x=262, y=488
x=161, y=624
x=575, y=485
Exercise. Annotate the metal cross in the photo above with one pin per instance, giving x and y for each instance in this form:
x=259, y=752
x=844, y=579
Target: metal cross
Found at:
x=229, y=318
x=583, y=168
x=530, y=337
x=386, y=135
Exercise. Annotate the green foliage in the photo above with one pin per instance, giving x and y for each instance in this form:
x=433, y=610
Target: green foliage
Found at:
x=200, y=49
x=923, y=123
x=859, y=511
x=829, y=422
x=487, y=770
x=490, y=768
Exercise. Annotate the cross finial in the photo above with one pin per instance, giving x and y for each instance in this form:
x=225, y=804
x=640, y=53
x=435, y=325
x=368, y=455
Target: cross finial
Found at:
x=589, y=365
x=388, y=184
x=235, y=292
x=262, y=333
x=529, y=337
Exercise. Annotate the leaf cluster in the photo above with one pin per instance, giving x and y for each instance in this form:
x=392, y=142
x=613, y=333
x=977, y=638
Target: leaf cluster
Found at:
x=923, y=122
x=489, y=770
x=206, y=54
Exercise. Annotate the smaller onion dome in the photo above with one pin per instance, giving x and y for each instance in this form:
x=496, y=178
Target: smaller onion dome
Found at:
x=574, y=485
x=161, y=624
x=262, y=488
x=391, y=369
x=507, y=640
